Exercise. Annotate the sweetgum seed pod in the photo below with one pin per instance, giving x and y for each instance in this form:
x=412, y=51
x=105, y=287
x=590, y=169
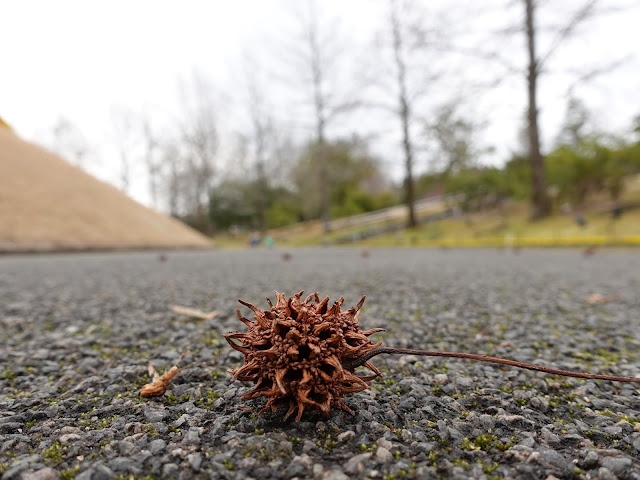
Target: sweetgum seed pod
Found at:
x=295, y=353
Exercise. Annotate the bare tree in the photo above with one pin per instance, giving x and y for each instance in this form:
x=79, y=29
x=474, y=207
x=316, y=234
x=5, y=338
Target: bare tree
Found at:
x=576, y=123
x=69, y=142
x=262, y=138
x=319, y=49
x=151, y=160
x=259, y=158
x=319, y=103
x=408, y=69
x=404, y=109
x=123, y=128
x=454, y=138
x=172, y=179
x=540, y=201
x=315, y=64
x=542, y=41
x=199, y=137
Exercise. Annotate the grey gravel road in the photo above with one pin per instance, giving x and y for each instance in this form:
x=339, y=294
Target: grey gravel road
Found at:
x=78, y=332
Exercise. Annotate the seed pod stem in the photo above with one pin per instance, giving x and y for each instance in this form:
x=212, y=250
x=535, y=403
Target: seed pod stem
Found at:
x=352, y=364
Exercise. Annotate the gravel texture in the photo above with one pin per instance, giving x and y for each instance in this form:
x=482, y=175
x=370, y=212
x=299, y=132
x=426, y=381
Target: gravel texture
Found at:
x=78, y=332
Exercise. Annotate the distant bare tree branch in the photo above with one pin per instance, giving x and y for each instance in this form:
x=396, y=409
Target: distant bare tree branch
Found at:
x=590, y=75
x=69, y=142
x=579, y=16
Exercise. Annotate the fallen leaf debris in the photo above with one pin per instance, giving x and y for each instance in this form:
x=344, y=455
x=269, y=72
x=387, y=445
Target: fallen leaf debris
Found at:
x=160, y=383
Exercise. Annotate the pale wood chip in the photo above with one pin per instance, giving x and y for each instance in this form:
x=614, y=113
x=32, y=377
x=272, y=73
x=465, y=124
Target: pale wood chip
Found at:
x=597, y=299
x=193, y=312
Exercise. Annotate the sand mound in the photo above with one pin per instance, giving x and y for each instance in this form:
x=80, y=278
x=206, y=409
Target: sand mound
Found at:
x=48, y=204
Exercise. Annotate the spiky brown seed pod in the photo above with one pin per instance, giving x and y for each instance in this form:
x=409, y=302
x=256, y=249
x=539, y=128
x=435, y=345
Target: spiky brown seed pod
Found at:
x=297, y=353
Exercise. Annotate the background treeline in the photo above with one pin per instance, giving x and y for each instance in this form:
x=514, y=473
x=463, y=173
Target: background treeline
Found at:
x=316, y=125
x=356, y=185
x=582, y=163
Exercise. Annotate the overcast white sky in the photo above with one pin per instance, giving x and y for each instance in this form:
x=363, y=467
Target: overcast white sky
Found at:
x=81, y=60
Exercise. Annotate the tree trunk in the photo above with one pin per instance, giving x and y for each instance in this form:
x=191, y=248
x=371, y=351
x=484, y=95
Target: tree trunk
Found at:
x=408, y=155
x=320, y=112
x=540, y=202
x=324, y=182
x=262, y=199
x=261, y=176
x=151, y=163
x=404, y=113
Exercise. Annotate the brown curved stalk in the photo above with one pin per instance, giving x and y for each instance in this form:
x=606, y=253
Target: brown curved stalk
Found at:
x=352, y=364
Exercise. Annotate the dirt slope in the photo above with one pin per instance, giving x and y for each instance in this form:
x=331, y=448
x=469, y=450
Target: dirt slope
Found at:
x=48, y=204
